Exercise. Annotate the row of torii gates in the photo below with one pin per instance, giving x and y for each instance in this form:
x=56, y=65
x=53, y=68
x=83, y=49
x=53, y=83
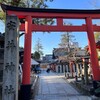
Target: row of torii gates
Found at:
x=59, y=14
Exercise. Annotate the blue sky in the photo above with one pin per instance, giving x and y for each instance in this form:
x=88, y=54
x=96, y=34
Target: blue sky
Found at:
x=51, y=40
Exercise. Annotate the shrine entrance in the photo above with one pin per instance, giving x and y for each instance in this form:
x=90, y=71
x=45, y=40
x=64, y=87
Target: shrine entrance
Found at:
x=58, y=14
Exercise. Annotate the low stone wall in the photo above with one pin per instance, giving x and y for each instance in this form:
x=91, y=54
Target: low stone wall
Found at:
x=85, y=89
x=34, y=88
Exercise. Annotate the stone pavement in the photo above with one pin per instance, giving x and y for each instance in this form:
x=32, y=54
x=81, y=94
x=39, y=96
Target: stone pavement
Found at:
x=54, y=87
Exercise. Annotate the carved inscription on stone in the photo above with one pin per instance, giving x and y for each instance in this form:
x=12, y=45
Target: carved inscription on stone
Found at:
x=10, y=44
x=9, y=90
x=11, y=59
x=10, y=67
x=11, y=25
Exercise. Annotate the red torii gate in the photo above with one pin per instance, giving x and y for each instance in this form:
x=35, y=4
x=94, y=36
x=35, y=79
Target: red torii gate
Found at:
x=59, y=15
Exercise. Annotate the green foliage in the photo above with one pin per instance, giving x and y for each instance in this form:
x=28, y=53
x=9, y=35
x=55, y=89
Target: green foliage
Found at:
x=36, y=55
x=78, y=60
x=99, y=58
x=66, y=39
x=39, y=47
x=29, y=4
x=2, y=16
x=43, y=21
x=97, y=36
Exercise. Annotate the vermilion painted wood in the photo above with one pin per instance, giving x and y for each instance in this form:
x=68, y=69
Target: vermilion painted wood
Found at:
x=61, y=28
x=27, y=51
x=59, y=22
x=92, y=49
x=59, y=16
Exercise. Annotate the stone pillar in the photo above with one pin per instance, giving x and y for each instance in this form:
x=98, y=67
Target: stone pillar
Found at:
x=73, y=66
x=11, y=59
x=77, y=69
x=60, y=68
x=64, y=70
x=56, y=68
x=71, y=69
x=85, y=65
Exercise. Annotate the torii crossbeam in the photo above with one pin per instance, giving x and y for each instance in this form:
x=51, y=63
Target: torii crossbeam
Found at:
x=59, y=14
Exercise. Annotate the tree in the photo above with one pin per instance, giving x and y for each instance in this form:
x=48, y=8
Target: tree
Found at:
x=66, y=42
x=97, y=36
x=94, y=3
x=66, y=39
x=28, y=4
x=39, y=47
x=36, y=55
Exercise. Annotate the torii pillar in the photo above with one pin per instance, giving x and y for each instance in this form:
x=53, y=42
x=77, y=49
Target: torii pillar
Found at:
x=92, y=50
x=26, y=85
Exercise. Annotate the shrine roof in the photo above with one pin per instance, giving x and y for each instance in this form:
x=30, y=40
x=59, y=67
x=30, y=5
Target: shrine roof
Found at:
x=41, y=10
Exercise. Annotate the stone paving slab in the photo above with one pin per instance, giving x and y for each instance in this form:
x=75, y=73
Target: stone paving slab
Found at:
x=54, y=87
